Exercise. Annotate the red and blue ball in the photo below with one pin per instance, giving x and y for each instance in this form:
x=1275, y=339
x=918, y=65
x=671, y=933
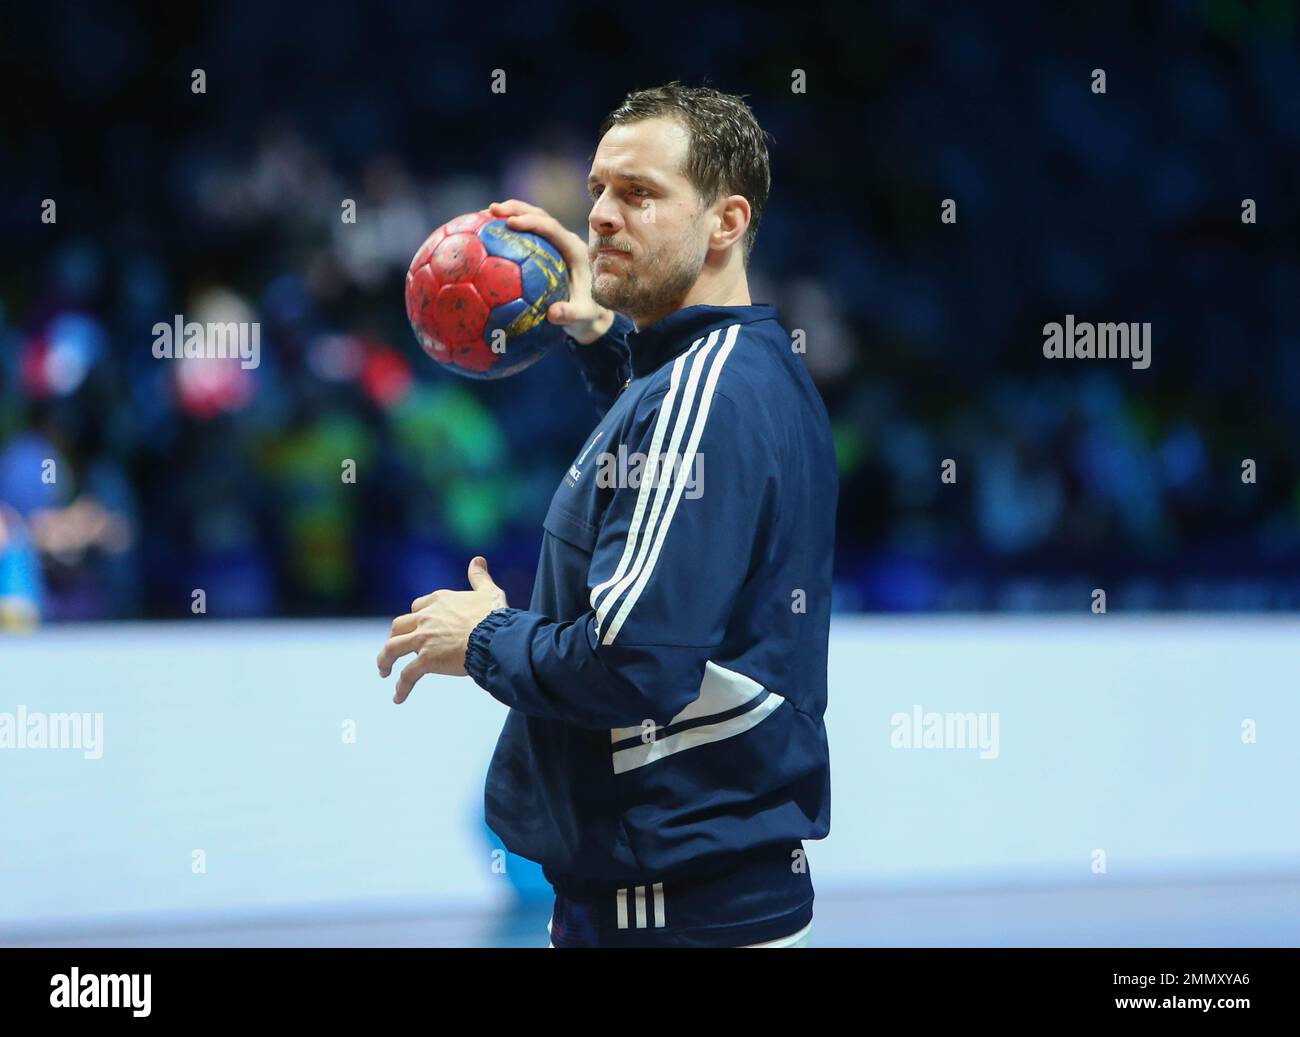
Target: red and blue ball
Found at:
x=477, y=293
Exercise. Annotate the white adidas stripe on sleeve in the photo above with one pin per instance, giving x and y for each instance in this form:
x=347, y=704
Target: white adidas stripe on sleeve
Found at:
x=623, y=576
x=679, y=485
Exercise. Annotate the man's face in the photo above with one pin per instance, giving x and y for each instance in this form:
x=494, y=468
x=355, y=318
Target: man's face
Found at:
x=647, y=238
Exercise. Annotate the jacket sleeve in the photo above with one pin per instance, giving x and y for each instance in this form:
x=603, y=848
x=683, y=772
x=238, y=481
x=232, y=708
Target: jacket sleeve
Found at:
x=671, y=556
x=605, y=364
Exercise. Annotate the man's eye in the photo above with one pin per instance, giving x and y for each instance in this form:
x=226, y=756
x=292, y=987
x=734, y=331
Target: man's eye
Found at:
x=595, y=191
x=645, y=193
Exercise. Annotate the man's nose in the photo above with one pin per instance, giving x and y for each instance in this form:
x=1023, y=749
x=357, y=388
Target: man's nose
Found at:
x=605, y=219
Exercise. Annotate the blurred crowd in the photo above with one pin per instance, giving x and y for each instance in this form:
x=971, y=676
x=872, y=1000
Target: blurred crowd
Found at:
x=127, y=482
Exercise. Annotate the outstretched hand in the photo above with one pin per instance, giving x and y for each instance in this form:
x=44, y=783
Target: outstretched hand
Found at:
x=437, y=629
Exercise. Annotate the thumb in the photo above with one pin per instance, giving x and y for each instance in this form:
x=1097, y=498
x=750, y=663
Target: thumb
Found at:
x=479, y=577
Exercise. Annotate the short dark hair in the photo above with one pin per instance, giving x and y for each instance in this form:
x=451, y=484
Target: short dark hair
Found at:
x=728, y=149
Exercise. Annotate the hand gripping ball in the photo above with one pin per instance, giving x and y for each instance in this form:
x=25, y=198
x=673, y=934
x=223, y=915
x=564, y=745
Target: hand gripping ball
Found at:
x=477, y=294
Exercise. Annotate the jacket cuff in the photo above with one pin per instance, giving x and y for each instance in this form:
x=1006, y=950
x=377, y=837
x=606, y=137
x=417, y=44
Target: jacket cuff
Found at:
x=478, y=653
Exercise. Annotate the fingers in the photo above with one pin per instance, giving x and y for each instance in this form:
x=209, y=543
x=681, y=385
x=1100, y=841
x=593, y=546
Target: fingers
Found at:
x=569, y=244
x=394, y=648
x=426, y=601
x=513, y=207
x=583, y=323
x=479, y=577
x=580, y=314
x=522, y=216
x=402, y=630
x=565, y=313
x=411, y=673
x=431, y=627
x=481, y=580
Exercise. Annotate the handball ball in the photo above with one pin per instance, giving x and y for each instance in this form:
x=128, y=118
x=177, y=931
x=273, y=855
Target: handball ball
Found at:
x=477, y=294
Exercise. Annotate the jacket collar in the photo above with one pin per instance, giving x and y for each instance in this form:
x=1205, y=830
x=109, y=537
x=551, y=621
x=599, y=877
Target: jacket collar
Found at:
x=655, y=345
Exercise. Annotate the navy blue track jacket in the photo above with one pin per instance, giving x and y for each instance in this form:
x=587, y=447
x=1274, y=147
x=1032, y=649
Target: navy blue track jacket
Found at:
x=665, y=754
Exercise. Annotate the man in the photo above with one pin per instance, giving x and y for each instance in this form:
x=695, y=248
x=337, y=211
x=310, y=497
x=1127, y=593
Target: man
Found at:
x=664, y=754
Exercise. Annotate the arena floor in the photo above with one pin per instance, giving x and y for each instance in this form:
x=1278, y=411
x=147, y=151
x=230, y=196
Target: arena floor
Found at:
x=1222, y=914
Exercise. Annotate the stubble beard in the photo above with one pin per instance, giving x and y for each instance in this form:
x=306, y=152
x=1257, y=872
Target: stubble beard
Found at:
x=658, y=290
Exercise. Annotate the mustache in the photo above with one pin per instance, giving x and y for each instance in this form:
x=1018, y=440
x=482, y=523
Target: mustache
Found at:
x=601, y=243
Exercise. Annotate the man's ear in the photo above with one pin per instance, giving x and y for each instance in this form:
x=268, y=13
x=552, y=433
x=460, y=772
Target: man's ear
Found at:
x=734, y=215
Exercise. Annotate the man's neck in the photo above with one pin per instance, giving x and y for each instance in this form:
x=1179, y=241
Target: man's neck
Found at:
x=705, y=292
